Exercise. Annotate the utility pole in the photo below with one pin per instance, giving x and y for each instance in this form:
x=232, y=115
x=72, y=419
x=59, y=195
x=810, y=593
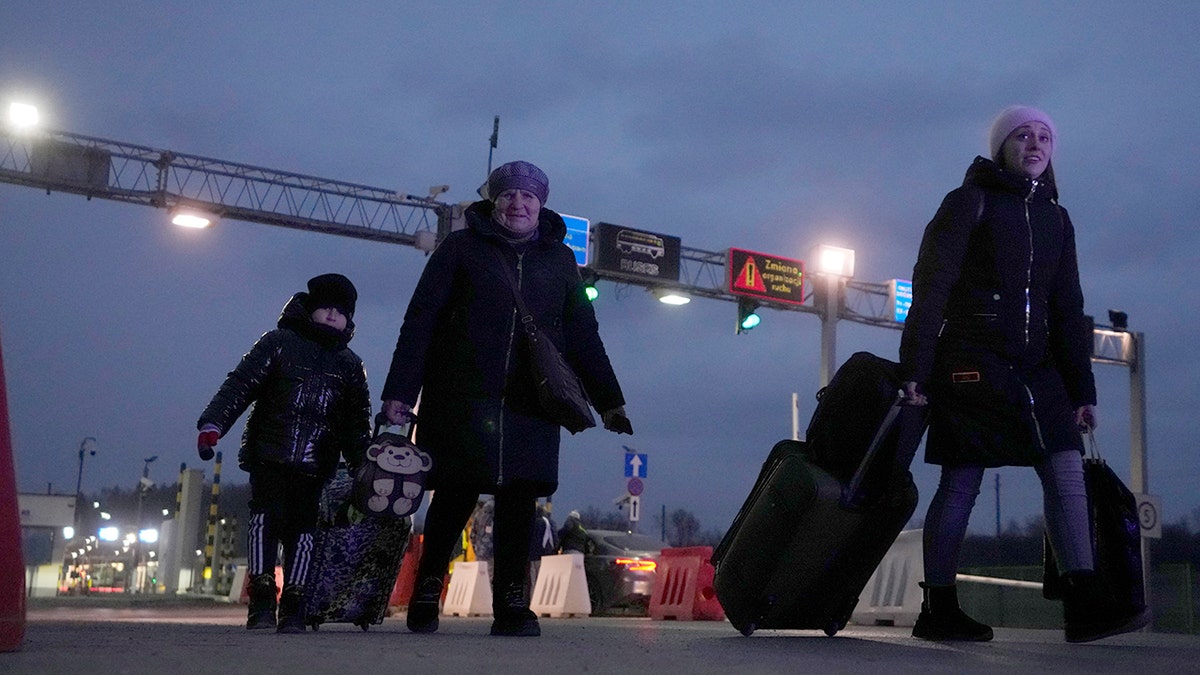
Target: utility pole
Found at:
x=997, y=504
x=495, y=139
x=87, y=446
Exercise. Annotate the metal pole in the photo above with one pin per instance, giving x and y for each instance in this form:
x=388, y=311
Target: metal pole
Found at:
x=795, y=416
x=830, y=305
x=1139, y=477
x=997, y=504
x=494, y=140
x=83, y=448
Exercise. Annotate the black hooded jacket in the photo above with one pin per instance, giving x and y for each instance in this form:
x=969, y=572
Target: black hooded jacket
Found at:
x=462, y=349
x=309, y=392
x=996, y=334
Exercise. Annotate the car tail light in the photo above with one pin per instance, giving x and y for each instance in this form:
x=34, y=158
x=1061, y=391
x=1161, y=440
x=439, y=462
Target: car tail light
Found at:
x=637, y=564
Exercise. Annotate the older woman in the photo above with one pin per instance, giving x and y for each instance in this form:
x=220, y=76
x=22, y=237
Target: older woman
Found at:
x=996, y=339
x=462, y=347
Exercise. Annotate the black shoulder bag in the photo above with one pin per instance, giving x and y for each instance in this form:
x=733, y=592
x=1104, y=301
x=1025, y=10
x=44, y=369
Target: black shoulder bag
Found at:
x=560, y=391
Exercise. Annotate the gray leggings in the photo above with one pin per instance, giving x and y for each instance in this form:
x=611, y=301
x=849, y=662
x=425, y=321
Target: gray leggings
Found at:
x=1065, y=504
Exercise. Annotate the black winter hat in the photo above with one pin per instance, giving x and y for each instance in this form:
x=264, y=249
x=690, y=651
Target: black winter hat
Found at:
x=332, y=290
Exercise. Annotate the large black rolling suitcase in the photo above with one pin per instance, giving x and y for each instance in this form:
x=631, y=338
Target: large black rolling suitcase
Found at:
x=806, y=541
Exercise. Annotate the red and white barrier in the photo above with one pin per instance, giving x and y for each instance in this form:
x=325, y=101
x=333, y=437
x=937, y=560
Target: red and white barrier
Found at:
x=12, y=563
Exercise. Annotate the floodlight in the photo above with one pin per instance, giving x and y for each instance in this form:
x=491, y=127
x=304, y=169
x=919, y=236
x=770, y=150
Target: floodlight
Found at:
x=671, y=297
x=190, y=216
x=23, y=115
x=834, y=260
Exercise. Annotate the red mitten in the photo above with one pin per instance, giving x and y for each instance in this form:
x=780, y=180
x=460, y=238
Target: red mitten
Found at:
x=205, y=444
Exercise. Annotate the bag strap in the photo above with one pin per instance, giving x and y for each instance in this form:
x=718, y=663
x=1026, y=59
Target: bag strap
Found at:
x=1093, y=449
x=531, y=328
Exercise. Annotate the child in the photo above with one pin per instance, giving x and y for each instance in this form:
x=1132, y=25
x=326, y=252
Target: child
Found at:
x=311, y=402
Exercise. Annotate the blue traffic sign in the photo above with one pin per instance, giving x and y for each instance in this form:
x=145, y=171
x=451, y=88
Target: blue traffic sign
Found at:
x=576, y=238
x=635, y=465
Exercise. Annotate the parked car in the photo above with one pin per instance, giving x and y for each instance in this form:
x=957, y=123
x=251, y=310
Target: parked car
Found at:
x=620, y=571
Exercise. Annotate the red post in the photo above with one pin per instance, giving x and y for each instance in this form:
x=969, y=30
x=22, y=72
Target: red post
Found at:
x=12, y=564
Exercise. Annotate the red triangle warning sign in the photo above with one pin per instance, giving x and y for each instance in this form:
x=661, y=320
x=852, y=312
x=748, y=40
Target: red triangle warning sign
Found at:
x=748, y=278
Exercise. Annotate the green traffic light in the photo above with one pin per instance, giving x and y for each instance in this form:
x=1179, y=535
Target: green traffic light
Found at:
x=591, y=293
x=747, y=315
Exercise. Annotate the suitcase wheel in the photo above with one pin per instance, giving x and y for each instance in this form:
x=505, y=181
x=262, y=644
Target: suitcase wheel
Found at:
x=749, y=628
x=832, y=628
x=363, y=624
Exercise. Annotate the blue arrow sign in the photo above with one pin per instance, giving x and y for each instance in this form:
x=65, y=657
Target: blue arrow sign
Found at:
x=635, y=465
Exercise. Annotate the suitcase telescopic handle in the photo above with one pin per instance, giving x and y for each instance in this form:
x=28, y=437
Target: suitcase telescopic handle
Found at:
x=853, y=494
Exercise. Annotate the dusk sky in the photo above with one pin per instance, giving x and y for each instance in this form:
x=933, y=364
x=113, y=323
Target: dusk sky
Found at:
x=766, y=126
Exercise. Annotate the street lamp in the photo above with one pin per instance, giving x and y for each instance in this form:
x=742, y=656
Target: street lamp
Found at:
x=834, y=266
x=143, y=485
x=669, y=296
x=190, y=216
x=87, y=446
x=22, y=115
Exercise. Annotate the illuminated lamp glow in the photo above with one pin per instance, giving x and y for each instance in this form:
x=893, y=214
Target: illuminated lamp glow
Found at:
x=23, y=115
x=186, y=216
x=669, y=297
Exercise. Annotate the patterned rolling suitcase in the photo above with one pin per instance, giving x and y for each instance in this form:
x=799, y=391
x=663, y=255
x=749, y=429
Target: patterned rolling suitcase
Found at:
x=356, y=560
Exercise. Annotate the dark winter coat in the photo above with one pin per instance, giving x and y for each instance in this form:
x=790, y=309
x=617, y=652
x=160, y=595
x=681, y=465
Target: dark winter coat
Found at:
x=573, y=537
x=996, y=335
x=462, y=348
x=309, y=392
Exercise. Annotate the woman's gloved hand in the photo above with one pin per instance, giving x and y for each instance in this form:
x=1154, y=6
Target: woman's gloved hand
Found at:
x=616, y=421
x=398, y=413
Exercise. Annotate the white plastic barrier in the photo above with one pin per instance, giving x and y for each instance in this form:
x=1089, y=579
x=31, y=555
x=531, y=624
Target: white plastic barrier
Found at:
x=470, y=592
x=561, y=589
x=892, y=595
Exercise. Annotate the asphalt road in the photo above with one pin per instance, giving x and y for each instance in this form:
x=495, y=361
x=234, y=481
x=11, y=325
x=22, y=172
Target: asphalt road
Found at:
x=189, y=639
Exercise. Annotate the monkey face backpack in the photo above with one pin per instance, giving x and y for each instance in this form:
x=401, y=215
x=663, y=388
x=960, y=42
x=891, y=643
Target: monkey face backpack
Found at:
x=391, y=480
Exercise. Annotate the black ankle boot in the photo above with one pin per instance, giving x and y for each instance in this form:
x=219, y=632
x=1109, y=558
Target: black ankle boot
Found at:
x=262, y=602
x=1091, y=613
x=511, y=611
x=942, y=619
x=423, y=607
x=291, y=610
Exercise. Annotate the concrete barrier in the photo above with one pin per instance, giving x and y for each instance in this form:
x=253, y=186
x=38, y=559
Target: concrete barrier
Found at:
x=470, y=592
x=561, y=589
x=892, y=596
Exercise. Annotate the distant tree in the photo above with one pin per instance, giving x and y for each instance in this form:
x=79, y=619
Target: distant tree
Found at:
x=711, y=537
x=595, y=519
x=683, y=528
